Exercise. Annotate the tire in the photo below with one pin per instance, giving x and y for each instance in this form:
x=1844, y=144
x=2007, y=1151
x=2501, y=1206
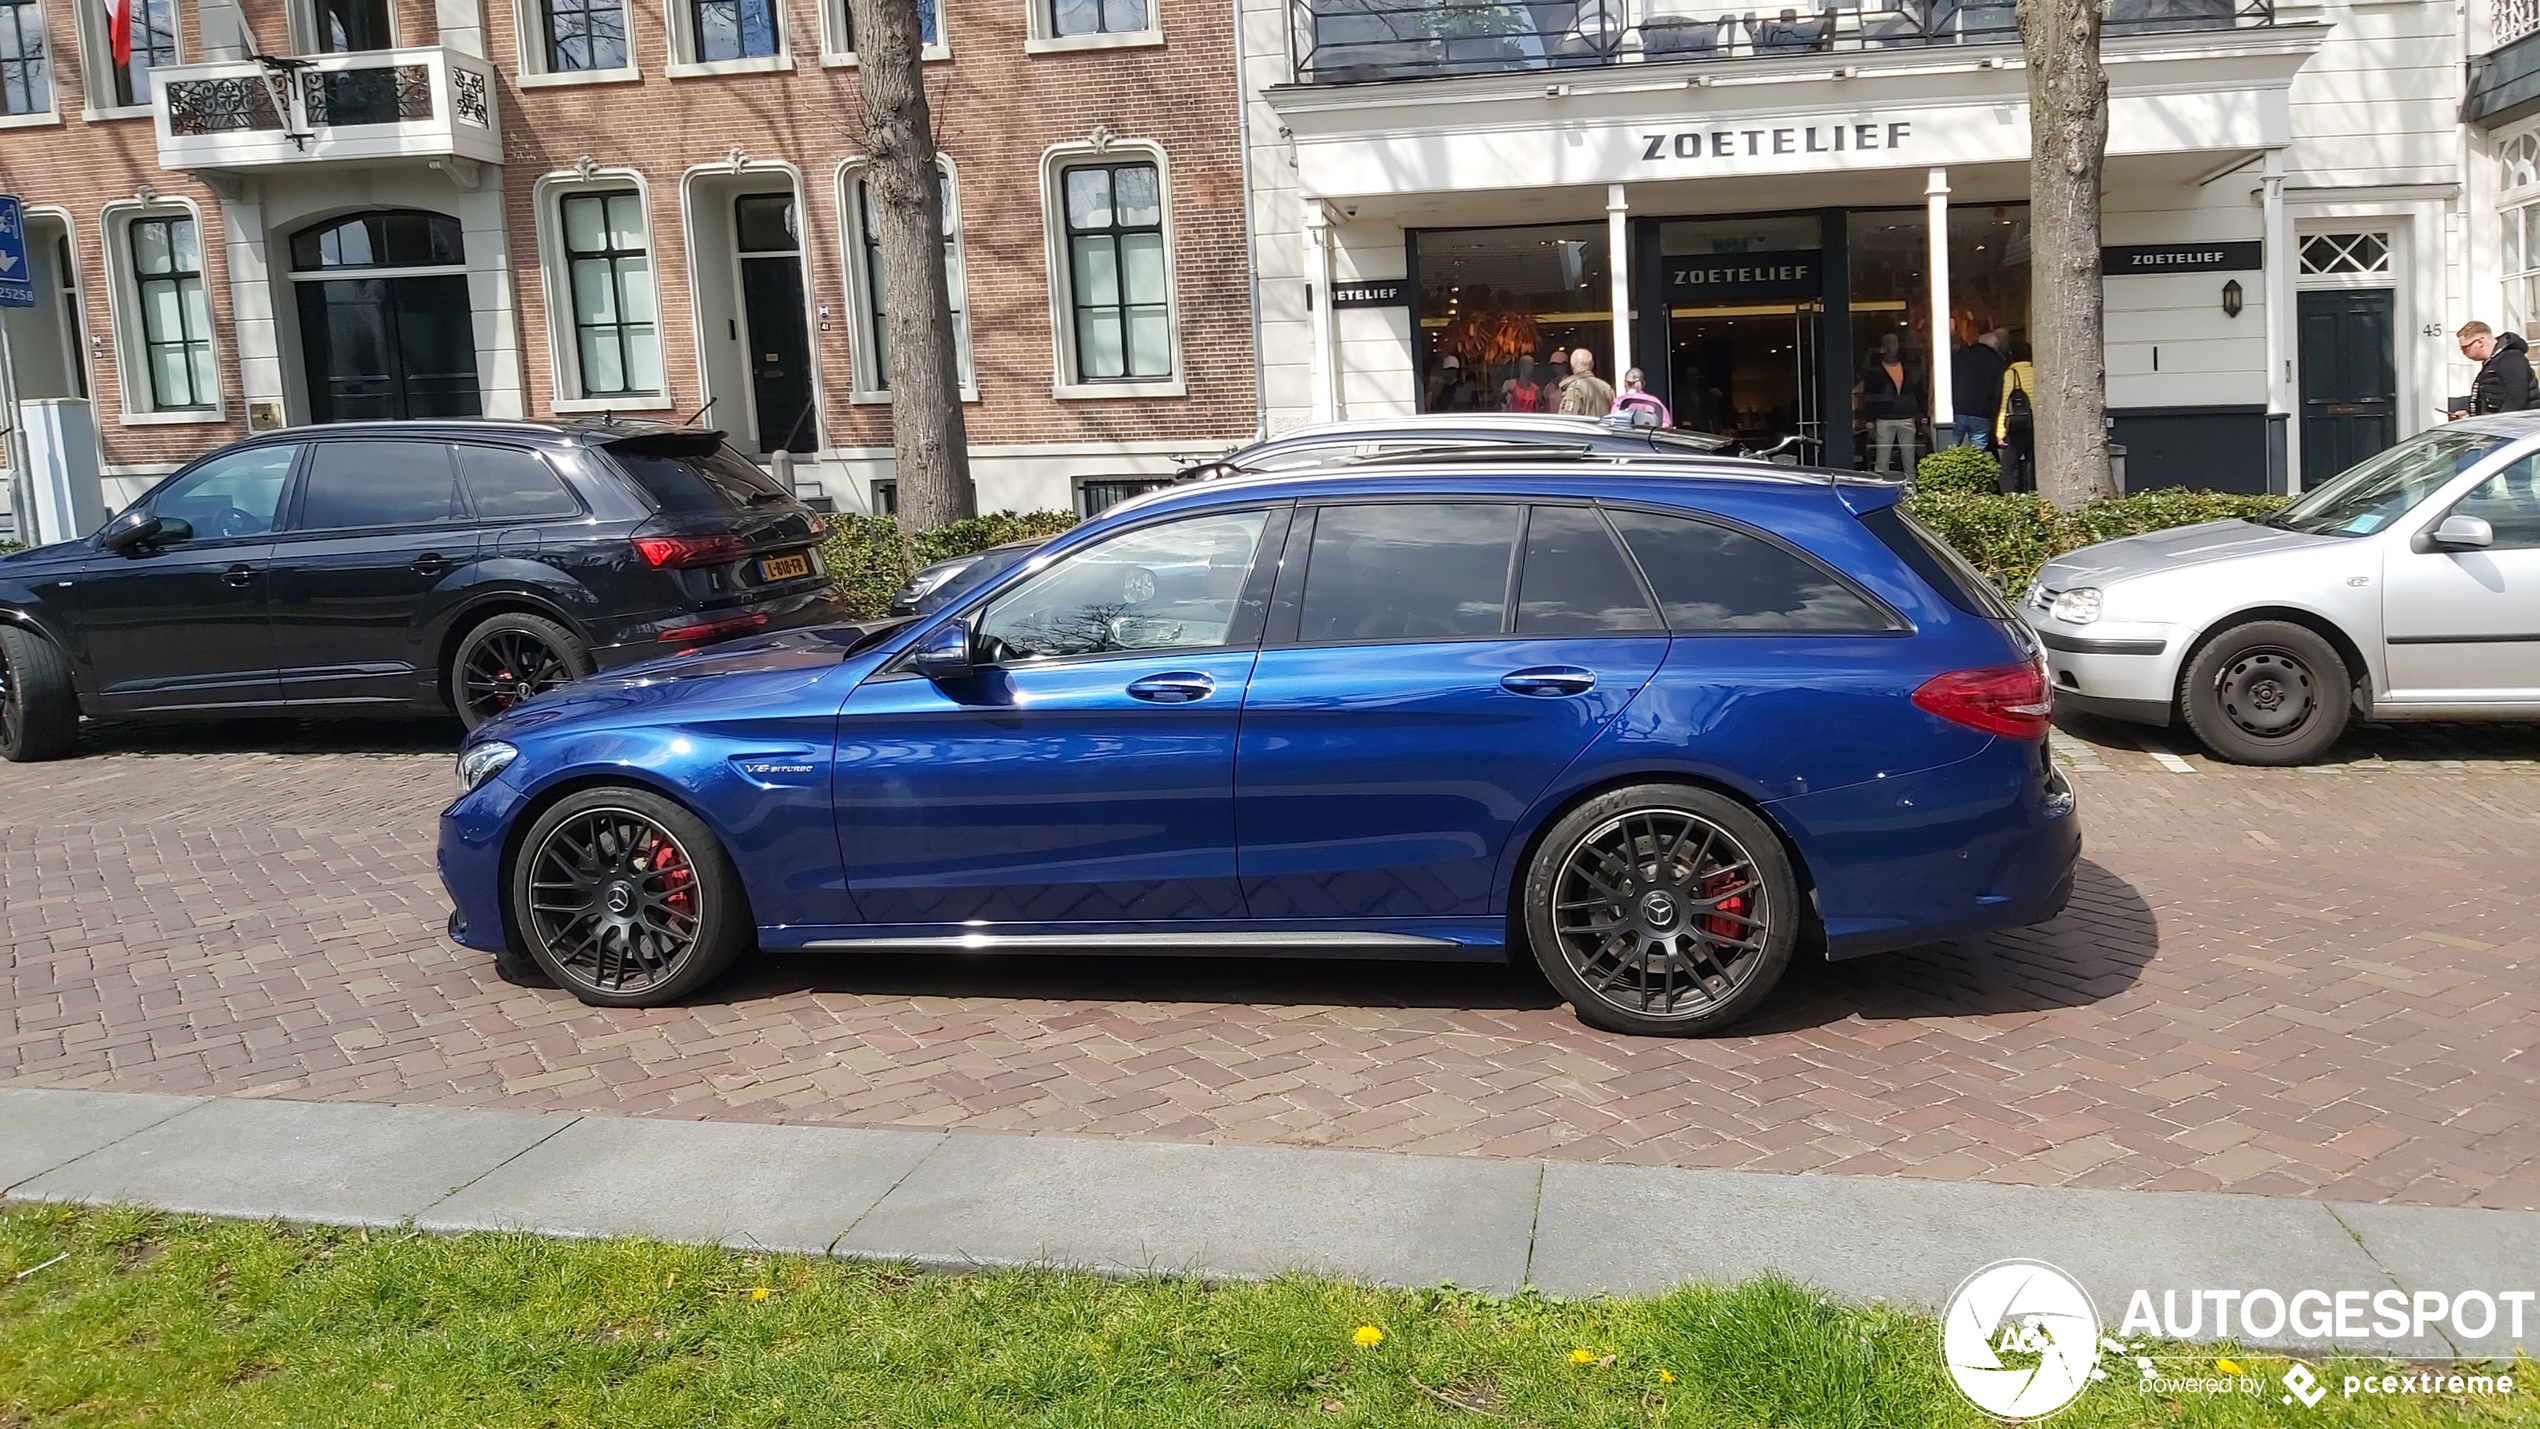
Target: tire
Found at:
x=2269, y=692
x=511, y=658
x=626, y=899
x=1612, y=889
x=39, y=709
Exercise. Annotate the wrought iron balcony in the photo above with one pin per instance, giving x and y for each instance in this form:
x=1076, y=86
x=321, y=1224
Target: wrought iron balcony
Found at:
x=422, y=102
x=1346, y=41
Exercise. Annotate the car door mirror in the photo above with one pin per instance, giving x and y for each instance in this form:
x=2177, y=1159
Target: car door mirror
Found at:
x=944, y=653
x=2464, y=533
x=134, y=530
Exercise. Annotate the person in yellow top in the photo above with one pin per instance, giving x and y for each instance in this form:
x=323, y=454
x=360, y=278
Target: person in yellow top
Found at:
x=2015, y=425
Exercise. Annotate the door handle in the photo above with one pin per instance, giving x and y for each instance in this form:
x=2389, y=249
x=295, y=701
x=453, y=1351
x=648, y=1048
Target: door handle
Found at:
x=238, y=575
x=430, y=563
x=1549, y=680
x=1178, y=688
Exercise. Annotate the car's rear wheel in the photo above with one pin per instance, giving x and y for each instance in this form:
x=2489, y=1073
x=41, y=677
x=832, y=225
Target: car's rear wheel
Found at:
x=2269, y=692
x=39, y=710
x=626, y=899
x=511, y=658
x=1662, y=910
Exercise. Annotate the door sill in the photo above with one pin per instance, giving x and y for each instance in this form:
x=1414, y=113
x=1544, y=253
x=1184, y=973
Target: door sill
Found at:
x=1267, y=943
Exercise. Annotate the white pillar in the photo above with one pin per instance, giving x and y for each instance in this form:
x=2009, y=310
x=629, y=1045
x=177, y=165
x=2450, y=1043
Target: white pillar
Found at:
x=1618, y=248
x=1936, y=218
x=2284, y=433
x=1318, y=303
x=254, y=308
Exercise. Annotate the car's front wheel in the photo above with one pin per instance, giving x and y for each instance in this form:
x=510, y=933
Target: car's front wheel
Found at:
x=626, y=899
x=1662, y=910
x=39, y=709
x=511, y=658
x=2269, y=692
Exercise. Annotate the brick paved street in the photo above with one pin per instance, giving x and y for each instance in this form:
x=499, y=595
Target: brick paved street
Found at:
x=2302, y=982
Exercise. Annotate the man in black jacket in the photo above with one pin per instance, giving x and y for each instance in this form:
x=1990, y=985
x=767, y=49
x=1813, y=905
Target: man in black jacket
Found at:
x=2505, y=383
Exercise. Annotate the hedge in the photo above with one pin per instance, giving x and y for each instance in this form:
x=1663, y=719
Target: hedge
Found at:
x=2009, y=537
x=863, y=552
x=1969, y=469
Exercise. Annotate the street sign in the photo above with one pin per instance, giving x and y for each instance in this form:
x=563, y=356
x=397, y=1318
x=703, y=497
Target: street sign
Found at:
x=16, y=289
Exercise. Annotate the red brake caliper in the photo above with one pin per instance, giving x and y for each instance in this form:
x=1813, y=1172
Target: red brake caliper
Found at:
x=1712, y=922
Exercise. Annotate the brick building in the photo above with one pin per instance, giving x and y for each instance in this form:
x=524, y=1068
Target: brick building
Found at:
x=288, y=211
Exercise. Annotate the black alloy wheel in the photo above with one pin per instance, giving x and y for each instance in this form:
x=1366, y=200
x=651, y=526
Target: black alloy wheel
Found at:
x=2269, y=692
x=1662, y=910
x=626, y=900
x=39, y=709
x=510, y=659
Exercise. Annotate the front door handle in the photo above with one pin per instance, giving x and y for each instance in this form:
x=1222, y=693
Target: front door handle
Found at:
x=430, y=563
x=1549, y=680
x=1178, y=688
x=239, y=575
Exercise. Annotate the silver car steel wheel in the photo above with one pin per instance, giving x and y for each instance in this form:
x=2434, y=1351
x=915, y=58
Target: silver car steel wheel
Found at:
x=615, y=900
x=1661, y=912
x=2266, y=692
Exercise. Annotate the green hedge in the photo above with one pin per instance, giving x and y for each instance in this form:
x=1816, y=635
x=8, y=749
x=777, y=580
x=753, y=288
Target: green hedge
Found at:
x=10, y=547
x=2009, y=537
x=864, y=555
x=1958, y=469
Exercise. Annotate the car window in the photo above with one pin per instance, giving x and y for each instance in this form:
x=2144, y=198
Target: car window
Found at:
x=687, y=477
x=1577, y=579
x=1937, y=562
x=1408, y=572
x=510, y=484
x=235, y=494
x=2375, y=492
x=1168, y=587
x=357, y=484
x=1712, y=578
x=2509, y=501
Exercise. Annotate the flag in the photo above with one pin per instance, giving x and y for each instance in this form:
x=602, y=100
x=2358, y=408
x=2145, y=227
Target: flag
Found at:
x=119, y=30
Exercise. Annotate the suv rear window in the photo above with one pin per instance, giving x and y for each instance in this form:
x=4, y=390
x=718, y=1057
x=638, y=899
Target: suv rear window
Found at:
x=696, y=476
x=1940, y=567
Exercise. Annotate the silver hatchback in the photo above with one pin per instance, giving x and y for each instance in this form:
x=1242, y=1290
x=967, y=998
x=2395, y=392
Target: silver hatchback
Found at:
x=2406, y=588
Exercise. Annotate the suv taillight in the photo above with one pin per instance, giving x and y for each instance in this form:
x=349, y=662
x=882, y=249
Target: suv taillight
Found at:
x=2009, y=700
x=667, y=551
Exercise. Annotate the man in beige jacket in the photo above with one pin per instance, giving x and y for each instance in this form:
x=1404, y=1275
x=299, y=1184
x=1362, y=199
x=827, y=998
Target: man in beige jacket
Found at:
x=1583, y=393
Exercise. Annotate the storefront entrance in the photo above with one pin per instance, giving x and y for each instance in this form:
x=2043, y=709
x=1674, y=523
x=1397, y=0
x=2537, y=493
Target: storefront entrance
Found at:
x=385, y=326
x=1745, y=305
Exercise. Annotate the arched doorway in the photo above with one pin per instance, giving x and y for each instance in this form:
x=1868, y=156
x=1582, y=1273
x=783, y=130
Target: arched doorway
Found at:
x=384, y=322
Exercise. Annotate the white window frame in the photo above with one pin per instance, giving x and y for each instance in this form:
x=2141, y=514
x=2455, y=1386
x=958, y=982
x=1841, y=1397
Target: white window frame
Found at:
x=860, y=314
x=52, y=112
x=1055, y=161
x=835, y=52
x=1041, y=36
x=529, y=30
x=2521, y=202
x=555, y=277
x=123, y=308
x=97, y=63
x=680, y=30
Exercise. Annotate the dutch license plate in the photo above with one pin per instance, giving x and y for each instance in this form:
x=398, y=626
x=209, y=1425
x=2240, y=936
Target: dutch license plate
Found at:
x=785, y=568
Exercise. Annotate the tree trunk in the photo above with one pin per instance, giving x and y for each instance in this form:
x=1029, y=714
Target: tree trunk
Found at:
x=930, y=447
x=2068, y=142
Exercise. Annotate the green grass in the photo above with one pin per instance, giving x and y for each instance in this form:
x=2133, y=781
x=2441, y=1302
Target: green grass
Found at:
x=192, y=1322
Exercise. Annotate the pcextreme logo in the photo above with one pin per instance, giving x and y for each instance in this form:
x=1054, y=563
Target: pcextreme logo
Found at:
x=2020, y=1339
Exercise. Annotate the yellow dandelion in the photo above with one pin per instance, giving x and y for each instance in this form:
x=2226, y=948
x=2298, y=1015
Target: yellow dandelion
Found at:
x=2226, y=1366
x=1666, y=1377
x=760, y=1292
x=1582, y=1357
x=1367, y=1337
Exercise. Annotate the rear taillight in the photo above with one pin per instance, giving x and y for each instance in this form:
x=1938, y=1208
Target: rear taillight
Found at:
x=711, y=630
x=2009, y=700
x=670, y=551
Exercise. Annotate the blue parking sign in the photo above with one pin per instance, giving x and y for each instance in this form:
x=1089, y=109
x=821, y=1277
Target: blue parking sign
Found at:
x=16, y=288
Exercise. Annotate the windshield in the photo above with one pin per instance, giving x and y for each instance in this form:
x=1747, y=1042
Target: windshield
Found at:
x=2369, y=496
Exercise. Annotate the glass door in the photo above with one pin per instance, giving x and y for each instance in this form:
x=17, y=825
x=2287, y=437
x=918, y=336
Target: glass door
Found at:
x=1745, y=321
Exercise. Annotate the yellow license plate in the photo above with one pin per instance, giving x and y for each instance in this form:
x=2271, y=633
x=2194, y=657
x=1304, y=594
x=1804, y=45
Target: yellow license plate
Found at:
x=785, y=568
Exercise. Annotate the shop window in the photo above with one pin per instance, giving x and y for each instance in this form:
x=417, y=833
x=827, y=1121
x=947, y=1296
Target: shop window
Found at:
x=173, y=314
x=609, y=276
x=872, y=332
x=1499, y=308
x=26, y=80
x=2345, y=254
x=1115, y=272
x=580, y=36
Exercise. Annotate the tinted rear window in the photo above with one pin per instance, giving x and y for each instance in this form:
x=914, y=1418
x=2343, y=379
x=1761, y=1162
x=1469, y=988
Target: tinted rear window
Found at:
x=1943, y=569
x=1408, y=572
x=1577, y=580
x=354, y=484
x=509, y=484
x=1712, y=578
x=685, y=479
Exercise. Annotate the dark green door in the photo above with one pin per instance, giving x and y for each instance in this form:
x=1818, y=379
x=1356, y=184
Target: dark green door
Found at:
x=2350, y=379
x=389, y=348
x=780, y=352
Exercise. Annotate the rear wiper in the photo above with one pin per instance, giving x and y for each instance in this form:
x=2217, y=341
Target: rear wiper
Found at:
x=761, y=498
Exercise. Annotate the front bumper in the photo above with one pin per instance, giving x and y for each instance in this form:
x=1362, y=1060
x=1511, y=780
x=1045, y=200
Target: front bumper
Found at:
x=470, y=861
x=2121, y=669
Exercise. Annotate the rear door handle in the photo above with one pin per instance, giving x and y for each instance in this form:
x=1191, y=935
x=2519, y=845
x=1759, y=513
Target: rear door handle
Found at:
x=1178, y=688
x=239, y=575
x=430, y=563
x=1549, y=680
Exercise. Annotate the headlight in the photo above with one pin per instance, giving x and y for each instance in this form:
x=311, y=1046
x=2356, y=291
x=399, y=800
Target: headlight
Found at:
x=480, y=762
x=2078, y=606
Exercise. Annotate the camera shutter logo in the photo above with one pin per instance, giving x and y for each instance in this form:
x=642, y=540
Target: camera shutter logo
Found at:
x=2020, y=1339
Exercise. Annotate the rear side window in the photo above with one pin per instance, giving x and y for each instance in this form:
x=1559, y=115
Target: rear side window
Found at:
x=1577, y=581
x=509, y=484
x=1408, y=572
x=354, y=484
x=1943, y=569
x=1712, y=578
x=686, y=478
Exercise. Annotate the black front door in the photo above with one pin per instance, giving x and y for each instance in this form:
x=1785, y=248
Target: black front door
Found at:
x=389, y=348
x=2350, y=380
x=780, y=352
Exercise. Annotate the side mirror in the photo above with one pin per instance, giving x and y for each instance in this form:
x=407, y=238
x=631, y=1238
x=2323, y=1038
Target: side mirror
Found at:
x=2464, y=532
x=944, y=654
x=133, y=530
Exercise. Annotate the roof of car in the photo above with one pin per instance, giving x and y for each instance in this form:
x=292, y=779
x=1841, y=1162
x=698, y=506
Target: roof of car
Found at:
x=1567, y=474
x=590, y=429
x=2500, y=424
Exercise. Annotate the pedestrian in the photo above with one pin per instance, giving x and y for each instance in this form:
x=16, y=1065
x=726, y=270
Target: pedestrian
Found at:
x=2505, y=382
x=1892, y=395
x=2015, y=425
x=1583, y=393
x=1640, y=404
x=1975, y=377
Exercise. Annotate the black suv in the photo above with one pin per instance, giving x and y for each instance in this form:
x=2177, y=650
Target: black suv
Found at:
x=401, y=567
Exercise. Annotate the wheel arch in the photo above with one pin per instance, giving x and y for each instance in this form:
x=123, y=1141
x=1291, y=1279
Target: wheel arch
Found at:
x=547, y=796
x=464, y=620
x=13, y=616
x=2359, y=671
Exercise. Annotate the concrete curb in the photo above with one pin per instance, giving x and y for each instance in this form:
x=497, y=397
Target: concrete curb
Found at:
x=961, y=1199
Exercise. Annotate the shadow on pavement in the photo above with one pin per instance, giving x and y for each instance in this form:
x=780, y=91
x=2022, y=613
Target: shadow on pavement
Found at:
x=369, y=735
x=2471, y=742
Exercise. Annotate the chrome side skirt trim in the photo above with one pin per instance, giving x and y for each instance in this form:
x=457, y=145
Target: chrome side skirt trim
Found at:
x=1266, y=942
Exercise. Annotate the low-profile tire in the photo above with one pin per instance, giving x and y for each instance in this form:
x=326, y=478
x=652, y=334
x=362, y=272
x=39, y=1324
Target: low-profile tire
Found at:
x=39, y=710
x=626, y=899
x=1662, y=910
x=2269, y=692
x=510, y=658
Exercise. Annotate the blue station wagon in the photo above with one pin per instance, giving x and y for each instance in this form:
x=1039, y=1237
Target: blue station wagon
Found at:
x=1662, y=728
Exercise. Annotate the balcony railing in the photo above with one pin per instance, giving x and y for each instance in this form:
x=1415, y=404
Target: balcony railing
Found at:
x=1344, y=41
x=422, y=102
x=2513, y=19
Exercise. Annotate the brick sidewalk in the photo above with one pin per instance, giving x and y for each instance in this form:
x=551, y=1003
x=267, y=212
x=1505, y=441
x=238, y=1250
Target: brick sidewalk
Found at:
x=2307, y=982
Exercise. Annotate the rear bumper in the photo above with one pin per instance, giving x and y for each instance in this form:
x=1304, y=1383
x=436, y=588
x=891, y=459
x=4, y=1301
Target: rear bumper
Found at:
x=823, y=606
